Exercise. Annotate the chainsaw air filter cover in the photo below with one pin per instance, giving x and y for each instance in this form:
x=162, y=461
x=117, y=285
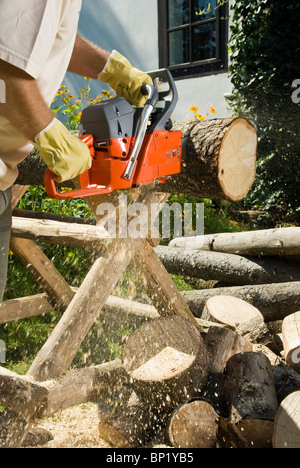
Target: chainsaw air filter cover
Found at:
x=110, y=119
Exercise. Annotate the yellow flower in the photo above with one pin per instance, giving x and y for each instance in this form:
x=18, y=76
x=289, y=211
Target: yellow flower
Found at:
x=62, y=86
x=86, y=78
x=194, y=109
x=212, y=110
x=82, y=91
x=59, y=93
x=78, y=100
x=200, y=117
x=79, y=115
x=66, y=91
x=105, y=92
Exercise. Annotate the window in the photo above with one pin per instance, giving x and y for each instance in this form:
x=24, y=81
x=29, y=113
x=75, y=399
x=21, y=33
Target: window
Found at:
x=193, y=36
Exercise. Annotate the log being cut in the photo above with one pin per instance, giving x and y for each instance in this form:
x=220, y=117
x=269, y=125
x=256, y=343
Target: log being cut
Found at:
x=220, y=160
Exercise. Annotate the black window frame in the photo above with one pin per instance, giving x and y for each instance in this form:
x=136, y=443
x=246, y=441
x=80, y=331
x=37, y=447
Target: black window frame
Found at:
x=200, y=68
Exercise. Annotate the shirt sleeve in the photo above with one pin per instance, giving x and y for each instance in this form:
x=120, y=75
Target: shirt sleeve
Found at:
x=27, y=32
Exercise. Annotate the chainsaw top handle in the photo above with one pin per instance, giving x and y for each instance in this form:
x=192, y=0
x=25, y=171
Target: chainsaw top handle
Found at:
x=152, y=93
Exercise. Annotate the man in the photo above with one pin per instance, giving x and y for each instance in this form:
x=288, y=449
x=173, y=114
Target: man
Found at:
x=38, y=44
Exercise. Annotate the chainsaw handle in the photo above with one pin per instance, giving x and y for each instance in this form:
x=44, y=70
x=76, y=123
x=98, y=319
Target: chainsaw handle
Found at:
x=152, y=93
x=86, y=191
x=142, y=129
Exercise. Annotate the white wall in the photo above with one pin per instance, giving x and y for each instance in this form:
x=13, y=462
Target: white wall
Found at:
x=131, y=27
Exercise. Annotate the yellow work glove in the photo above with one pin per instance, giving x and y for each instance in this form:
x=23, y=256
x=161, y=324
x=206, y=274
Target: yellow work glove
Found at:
x=125, y=79
x=64, y=154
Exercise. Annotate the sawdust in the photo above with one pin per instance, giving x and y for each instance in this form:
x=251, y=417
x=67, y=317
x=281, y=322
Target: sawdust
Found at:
x=75, y=427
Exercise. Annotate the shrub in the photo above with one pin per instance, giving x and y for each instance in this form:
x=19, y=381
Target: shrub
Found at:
x=265, y=50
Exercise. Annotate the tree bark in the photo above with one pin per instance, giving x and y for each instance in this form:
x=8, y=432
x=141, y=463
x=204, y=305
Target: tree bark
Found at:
x=227, y=268
x=221, y=345
x=281, y=241
x=250, y=393
x=220, y=160
x=274, y=301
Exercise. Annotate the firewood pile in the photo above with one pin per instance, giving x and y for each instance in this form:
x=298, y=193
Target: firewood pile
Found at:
x=227, y=383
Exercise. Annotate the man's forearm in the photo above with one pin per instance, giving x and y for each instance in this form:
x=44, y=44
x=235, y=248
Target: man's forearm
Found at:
x=24, y=106
x=87, y=59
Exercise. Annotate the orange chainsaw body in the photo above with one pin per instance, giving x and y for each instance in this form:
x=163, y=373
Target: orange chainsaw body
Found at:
x=109, y=131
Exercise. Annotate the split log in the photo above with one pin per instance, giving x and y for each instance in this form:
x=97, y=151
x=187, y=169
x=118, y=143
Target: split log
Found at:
x=220, y=160
x=287, y=423
x=250, y=392
x=193, y=425
x=282, y=241
x=274, y=301
x=291, y=340
x=227, y=268
x=167, y=361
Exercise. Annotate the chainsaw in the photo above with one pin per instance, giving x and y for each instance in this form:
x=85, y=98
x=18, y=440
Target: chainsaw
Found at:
x=129, y=146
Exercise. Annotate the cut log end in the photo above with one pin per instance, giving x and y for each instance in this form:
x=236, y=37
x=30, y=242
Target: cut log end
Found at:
x=237, y=160
x=194, y=425
x=287, y=423
x=167, y=360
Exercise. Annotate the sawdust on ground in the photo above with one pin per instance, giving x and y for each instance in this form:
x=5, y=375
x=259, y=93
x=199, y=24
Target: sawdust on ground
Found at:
x=75, y=427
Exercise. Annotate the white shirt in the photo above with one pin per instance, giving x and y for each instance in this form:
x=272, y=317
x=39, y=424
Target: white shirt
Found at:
x=38, y=37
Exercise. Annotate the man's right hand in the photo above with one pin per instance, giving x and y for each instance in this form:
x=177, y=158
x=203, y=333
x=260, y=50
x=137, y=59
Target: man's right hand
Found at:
x=64, y=154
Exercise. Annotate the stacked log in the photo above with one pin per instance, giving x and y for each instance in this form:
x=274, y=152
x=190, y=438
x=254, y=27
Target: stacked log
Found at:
x=215, y=386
